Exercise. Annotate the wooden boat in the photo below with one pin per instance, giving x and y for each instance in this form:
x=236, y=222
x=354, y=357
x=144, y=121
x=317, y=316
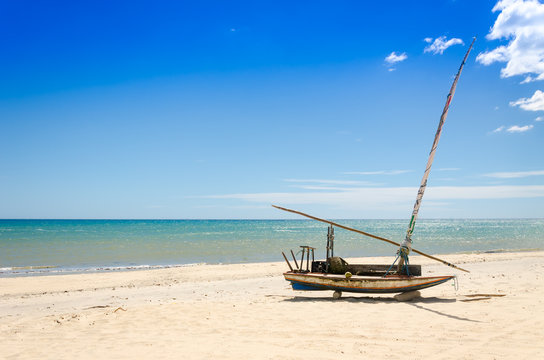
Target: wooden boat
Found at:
x=363, y=284
x=336, y=274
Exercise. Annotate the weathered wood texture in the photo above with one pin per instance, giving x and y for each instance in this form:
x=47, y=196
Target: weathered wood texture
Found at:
x=362, y=269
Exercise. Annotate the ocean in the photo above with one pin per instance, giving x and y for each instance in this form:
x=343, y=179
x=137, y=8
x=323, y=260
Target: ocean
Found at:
x=34, y=247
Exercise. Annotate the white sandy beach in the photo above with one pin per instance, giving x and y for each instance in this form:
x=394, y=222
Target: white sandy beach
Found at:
x=249, y=311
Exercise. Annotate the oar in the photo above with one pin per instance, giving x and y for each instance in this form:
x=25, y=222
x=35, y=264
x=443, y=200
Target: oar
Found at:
x=367, y=234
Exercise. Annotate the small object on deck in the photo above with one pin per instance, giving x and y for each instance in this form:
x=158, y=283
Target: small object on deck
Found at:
x=337, y=265
x=407, y=296
x=337, y=294
x=348, y=275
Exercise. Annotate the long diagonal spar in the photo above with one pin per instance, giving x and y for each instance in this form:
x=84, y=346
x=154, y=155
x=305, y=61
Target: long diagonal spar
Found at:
x=369, y=235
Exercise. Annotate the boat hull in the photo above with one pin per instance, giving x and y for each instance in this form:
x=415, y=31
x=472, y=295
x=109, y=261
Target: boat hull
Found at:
x=362, y=284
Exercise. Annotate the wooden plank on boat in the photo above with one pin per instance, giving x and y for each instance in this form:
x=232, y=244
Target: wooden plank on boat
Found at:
x=379, y=269
x=362, y=269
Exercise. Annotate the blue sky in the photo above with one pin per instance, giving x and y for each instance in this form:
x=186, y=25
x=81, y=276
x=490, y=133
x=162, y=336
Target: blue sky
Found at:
x=213, y=109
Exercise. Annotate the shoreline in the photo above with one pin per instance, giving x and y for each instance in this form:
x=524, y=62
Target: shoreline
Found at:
x=89, y=246
x=248, y=310
x=51, y=270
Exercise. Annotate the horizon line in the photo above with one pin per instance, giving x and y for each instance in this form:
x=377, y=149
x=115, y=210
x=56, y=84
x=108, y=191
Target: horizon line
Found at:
x=271, y=219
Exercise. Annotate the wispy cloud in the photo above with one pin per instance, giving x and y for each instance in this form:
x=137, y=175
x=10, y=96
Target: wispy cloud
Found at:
x=515, y=174
x=539, y=118
x=521, y=23
x=449, y=169
x=325, y=181
x=326, y=184
x=440, y=44
x=321, y=187
x=513, y=129
x=380, y=172
x=499, y=129
x=519, y=129
x=445, y=179
x=388, y=196
x=534, y=103
x=394, y=58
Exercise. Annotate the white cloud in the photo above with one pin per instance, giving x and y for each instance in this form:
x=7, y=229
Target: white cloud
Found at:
x=327, y=182
x=380, y=172
x=534, y=103
x=514, y=129
x=321, y=187
x=539, y=118
x=449, y=169
x=441, y=44
x=519, y=129
x=393, y=58
x=521, y=22
x=388, y=196
x=487, y=58
x=499, y=129
x=331, y=185
x=515, y=174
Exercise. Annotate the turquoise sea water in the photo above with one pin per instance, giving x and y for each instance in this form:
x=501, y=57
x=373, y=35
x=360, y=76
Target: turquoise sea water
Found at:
x=59, y=246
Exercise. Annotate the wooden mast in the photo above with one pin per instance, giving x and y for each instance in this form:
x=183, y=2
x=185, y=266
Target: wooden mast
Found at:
x=406, y=245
